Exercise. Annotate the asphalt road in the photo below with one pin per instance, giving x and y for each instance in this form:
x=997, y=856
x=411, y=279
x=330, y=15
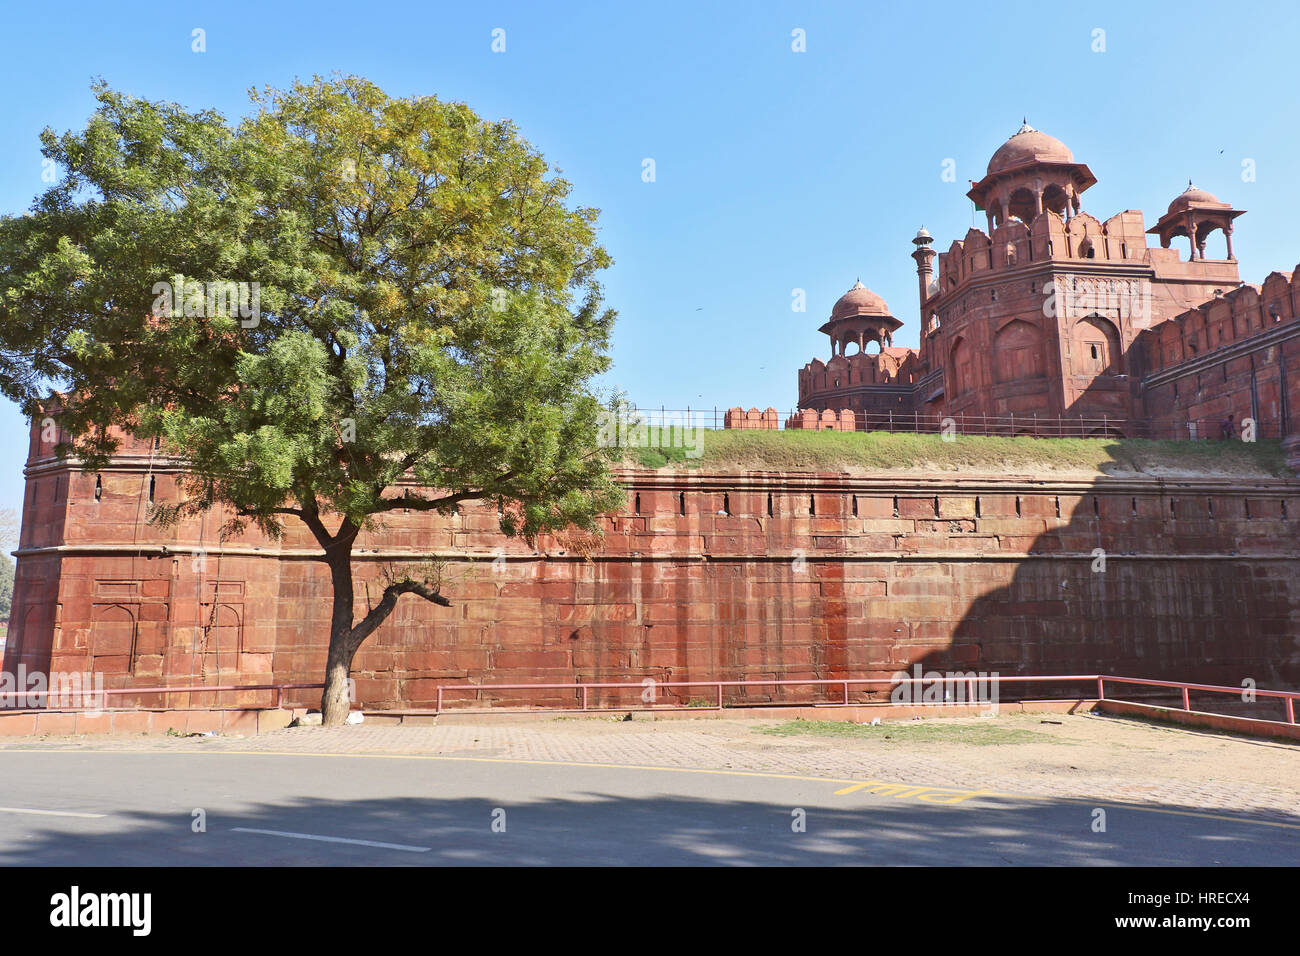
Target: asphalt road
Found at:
x=91, y=808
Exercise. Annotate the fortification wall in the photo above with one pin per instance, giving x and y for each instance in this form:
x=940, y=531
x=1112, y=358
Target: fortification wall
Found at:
x=700, y=577
x=1238, y=354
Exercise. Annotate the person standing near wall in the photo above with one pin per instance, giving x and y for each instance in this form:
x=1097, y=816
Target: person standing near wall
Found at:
x=1228, y=428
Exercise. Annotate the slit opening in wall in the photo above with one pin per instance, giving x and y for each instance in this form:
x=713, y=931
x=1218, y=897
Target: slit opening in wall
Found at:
x=1247, y=503
x=1133, y=503
x=1058, y=506
x=636, y=503
x=153, y=486
x=895, y=506
x=936, y=506
x=1173, y=508
x=855, y=505
x=1017, y=506
x=99, y=488
x=1284, y=509
x=1209, y=507
x=726, y=503
x=812, y=504
x=977, y=506
x=769, y=504
x=1096, y=507
x=681, y=502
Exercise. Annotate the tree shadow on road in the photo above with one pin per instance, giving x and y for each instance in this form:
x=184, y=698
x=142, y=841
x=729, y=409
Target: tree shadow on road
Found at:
x=593, y=828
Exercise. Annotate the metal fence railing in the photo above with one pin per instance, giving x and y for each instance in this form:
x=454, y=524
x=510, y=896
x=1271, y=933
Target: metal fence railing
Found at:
x=960, y=688
x=668, y=420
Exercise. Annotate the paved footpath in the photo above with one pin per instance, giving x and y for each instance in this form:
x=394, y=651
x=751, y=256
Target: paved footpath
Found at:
x=600, y=790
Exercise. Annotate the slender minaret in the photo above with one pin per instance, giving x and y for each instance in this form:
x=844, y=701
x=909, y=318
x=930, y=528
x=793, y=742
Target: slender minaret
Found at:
x=924, y=257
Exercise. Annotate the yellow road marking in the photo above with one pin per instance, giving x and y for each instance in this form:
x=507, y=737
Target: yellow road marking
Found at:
x=506, y=760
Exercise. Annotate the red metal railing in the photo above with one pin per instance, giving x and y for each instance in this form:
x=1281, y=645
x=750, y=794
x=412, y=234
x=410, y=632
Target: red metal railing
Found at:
x=99, y=696
x=969, y=686
x=1288, y=697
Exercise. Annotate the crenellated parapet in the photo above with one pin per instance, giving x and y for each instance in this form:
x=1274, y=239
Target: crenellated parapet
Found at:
x=890, y=366
x=1234, y=316
x=827, y=420
x=1047, y=238
x=766, y=420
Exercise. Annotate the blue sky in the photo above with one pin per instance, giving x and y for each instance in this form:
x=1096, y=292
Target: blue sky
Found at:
x=775, y=170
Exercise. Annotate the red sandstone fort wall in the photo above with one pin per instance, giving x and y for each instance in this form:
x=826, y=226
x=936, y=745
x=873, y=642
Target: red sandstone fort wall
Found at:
x=701, y=577
x=1238, y=354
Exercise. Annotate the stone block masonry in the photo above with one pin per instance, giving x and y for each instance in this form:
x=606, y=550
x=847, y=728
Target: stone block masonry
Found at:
x=702, y=576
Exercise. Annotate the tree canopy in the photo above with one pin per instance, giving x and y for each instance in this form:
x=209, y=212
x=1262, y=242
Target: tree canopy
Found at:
x=343, y=304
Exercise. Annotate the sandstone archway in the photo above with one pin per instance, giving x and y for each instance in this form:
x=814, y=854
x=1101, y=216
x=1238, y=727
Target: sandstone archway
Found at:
x=1018, y=352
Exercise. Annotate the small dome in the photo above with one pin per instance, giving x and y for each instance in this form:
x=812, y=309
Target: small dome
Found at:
x=923, y=233
x=1028, y=145
x=859, y=301
x=1193, y=194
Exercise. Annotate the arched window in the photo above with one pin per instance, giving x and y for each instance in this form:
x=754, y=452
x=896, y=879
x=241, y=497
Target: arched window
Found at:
x=1095, y=347
x=1021, y=205
x=1055, y=200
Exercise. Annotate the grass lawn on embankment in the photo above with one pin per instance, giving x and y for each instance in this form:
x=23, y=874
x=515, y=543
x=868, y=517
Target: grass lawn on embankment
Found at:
x=977, y=734
x=794, y=450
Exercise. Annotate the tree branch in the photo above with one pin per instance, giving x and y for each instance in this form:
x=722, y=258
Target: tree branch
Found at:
x=380, y=611
x=425, y=504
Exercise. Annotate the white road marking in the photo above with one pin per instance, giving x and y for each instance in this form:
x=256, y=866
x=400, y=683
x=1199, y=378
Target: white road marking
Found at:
x=50, y=813
x=331, y=839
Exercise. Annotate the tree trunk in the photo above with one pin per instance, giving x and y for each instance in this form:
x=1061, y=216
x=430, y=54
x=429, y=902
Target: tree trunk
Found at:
x=335, y=703
x=345, y=636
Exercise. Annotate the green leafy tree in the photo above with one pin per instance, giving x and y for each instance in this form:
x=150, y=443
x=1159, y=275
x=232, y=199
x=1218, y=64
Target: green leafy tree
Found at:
x=418, y=325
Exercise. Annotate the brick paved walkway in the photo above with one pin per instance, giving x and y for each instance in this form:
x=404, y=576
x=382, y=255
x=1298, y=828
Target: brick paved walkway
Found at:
x=1089, y=757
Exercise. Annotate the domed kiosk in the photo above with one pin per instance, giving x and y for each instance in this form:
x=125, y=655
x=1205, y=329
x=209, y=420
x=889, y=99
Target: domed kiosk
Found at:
x=859, y=316
x=1195, y=213
x=1030, y=173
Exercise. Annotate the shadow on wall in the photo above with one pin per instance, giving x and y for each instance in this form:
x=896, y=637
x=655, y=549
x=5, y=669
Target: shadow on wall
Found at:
x=1196, y=581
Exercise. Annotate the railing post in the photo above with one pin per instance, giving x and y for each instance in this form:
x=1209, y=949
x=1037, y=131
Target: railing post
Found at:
x=846, y=692
x=438, y=705
x=1101, y=689
x=584, y=696
x=1290, y=710
x=719, y=695
x=1187, y=704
